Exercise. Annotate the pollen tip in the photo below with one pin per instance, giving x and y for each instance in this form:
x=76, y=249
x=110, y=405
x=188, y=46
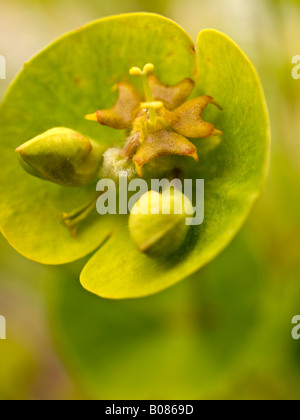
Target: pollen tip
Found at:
x=138, y=169
x=195, y=156
x=91, y=117
x=135, y=71
x=148, y=68
x=217, y=132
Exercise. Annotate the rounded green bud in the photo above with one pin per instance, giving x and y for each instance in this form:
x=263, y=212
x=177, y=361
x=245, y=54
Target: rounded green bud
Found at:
x=62, y=156
x=157, y=222
x=114, y=162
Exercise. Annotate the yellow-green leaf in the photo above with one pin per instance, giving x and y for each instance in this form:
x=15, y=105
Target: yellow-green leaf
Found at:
x=72, y=78
x=234, y=172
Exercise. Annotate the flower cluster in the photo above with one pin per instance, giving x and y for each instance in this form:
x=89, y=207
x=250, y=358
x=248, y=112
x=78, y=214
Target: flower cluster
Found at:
x=160, y=123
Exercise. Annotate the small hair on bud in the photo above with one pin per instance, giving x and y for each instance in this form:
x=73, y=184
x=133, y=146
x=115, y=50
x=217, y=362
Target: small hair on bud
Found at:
x=135, y=71
x=148, y=68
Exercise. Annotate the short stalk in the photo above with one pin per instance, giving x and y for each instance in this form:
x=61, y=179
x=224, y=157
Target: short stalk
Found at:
x=135, y=71
x=73, y=218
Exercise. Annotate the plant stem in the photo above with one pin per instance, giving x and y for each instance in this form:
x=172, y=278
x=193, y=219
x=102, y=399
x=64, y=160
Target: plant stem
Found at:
x=72, y=219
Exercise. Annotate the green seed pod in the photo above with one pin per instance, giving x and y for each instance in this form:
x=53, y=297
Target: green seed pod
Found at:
x=114, y=163
x=62, y=156
x=157, y=222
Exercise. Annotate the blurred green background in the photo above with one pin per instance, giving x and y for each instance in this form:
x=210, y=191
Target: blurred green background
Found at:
x=224, y=333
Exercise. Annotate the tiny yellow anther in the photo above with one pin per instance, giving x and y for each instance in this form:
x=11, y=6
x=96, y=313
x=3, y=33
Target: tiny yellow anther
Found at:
x=148, y=68
x=152, y=105
x=135, y=71
x=91, y=117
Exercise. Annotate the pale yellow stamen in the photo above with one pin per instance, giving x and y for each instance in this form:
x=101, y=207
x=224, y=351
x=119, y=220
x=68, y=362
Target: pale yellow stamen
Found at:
x=148, y=68
x=136, y=71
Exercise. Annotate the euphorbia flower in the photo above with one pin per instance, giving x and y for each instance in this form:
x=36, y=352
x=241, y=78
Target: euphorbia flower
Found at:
x=162, y=125
x=140, y=133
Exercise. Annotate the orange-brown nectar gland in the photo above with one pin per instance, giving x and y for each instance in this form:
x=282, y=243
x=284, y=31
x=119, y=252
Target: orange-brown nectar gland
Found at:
x=121, y=115
x=187, y=119
x=171, y=96
x=163, y=143
x=161, y=122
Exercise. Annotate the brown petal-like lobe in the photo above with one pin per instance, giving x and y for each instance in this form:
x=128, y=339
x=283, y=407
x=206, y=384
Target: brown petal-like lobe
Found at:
x=163, y=143
x=187, y=119
x=123, y=113
x=171, y=96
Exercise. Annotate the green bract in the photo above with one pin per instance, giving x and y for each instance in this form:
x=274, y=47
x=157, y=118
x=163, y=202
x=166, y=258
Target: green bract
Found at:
x=73, y=78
